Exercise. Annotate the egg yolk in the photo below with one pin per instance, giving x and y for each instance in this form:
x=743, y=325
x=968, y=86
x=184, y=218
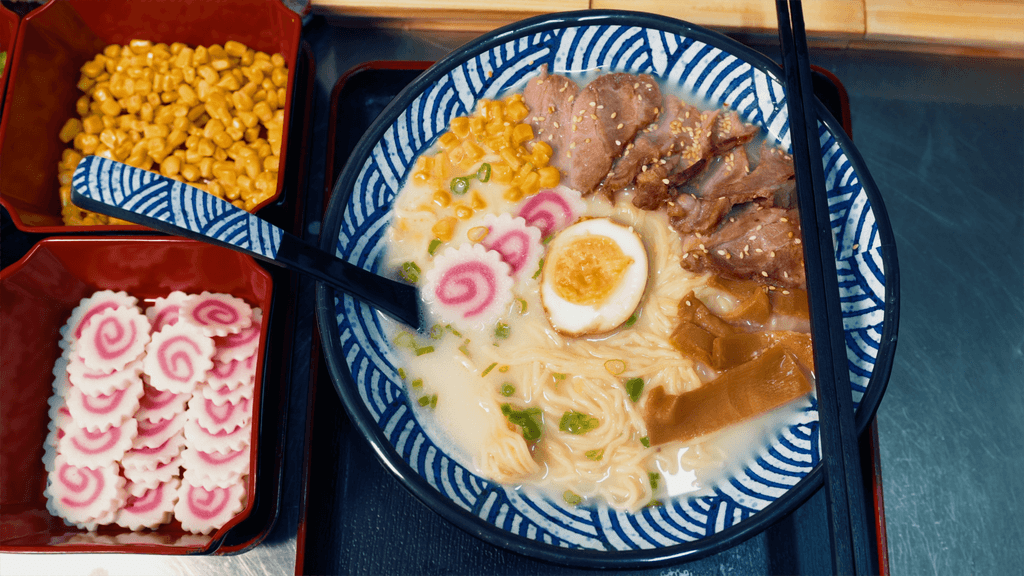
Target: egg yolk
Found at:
x=588, y=269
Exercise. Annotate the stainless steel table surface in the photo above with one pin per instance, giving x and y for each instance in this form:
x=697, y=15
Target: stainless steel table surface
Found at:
x=943, y=138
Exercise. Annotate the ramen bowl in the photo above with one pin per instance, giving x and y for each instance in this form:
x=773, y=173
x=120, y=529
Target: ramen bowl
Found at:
x=37, y=295
x=364, y=363
x=54, y=42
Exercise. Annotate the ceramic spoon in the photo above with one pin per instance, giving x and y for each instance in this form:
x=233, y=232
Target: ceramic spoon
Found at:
x=136, y=195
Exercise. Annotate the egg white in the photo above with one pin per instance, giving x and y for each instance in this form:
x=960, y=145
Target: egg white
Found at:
x=574, y=319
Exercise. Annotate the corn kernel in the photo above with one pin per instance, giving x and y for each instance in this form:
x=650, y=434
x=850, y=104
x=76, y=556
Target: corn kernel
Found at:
x=170, y=166
x=477, y=201
x=531, y=184
x=442, y=198
x=513, y=194
x=444, y=228
x=70, y=129
x=521, y=133
x=510, y=157
x=549, y=177
x=447, y=141
x=501, y=173
x=516, y=111
x=460, y=126
x=472, y=151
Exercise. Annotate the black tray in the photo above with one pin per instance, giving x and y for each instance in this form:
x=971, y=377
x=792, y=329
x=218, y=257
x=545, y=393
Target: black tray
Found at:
x=356, y=518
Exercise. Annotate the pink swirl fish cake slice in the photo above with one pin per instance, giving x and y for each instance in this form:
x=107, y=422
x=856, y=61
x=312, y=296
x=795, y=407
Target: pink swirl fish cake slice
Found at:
x=87, y=308
x=177, y=358
x=469, y=287
x=158, y=405
x=233, y=373
x=151, y=508
x=113, y=339
x=212, y=469
x=241, y=345
x=151, y=458
x=60, y=421
x=143, y=479
x=99, y=412
x=224, y=395
x=223, y=442
x=165, y=311
x=225, y=417
x=81, y=494
x=61, y=382
x=58, y=411
x=80, y=447
x=95, y=382
x=154, y=434
x=202, y=511
x=216, y=314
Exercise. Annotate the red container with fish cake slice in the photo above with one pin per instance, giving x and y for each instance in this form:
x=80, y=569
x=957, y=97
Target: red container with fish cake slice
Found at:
x=37, y=296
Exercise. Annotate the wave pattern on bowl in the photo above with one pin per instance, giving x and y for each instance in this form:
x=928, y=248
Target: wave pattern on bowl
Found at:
x=706, y=72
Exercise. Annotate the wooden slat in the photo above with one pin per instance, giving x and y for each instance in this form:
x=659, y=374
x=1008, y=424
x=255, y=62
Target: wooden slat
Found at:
x=835, y=17
x=983, y=28
x=994, y=23
x=452, y=10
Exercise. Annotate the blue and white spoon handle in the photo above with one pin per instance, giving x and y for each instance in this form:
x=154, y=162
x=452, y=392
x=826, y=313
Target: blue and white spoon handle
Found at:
x=136, y=195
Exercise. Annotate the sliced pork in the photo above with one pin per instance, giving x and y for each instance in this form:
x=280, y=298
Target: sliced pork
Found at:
x=549, y=97
x=761, y=244
x=607, y=115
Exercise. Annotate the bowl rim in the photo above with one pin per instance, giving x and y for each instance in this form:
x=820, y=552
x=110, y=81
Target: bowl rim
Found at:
x=417, y=485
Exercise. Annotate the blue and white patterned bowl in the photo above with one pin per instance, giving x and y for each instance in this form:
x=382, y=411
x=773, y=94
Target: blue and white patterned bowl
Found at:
x=359, y=356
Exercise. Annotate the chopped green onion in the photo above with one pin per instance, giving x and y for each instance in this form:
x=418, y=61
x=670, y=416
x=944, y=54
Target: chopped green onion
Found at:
x=595, y=455
x=433, y=401
x=507, y=389
x=417, y=383
x=522, y=305
x=547, y=239
x=428, y=401
x=453, y=331
x=634, y=387
x=410, y=272
x=632, y=320
x=488, y=369
x=424, y=350
x=434, y=245
x=646, y=442
x=529, y=419
x=464, y=348
x=436, y=331
x=615, y=366
x=424, y=400
x=559, y=376
x=654, y=502
x=654, y=478
x=460, y=185
x=401, y=373
x=484, y=173
x=540, y=267
x=502, y=369
x=571, y=498
x=405, y=340
x=502, y=330
x=577, y=423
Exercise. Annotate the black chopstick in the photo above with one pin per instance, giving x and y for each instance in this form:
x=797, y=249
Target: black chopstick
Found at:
x=843, y=482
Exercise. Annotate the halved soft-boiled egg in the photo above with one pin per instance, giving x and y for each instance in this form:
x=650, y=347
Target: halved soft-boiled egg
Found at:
x=594, y=276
